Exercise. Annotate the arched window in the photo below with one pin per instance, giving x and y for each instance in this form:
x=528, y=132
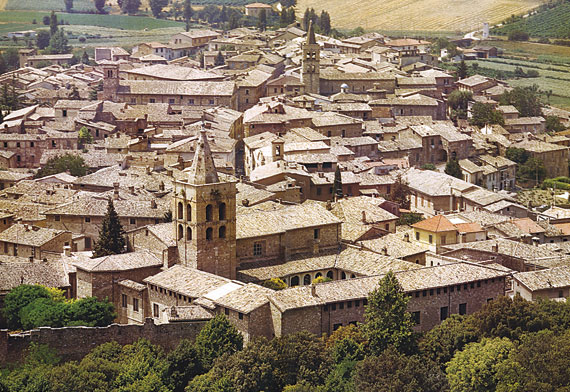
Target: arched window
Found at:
x=343, y=275
x=294, y=281
x=222, y=211
x=180, y=210
x=188, y=212
x=307, y=280
x=330, y=275
x=352, y=276
x=209, y=234
x=222, y=232
x=318, y=274
x=209, y=213
x=188, y=234
x=180, y=232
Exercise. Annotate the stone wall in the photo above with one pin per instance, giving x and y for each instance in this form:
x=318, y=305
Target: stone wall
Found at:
x=73, y=343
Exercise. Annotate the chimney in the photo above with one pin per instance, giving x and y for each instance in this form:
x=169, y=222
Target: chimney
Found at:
x=31, y=259
x=385, y=251
x=495, y=248
x=329, y=205
x=67, y=250
x=245, y=202
x=407, y=237
x=363, y=216
x=132, y=189
x=173, y=312
x=153, y=204
x=313, y=290
x=26, y=227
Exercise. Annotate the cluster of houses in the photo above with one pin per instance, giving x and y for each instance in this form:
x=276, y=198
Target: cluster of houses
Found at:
x=224, y=177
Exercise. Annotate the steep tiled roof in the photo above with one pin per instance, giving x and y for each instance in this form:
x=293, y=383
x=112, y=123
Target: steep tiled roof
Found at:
x=436, y=224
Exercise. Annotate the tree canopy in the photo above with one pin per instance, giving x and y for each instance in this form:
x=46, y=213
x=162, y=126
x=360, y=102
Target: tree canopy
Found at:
x=68, y=162
x=111, y=239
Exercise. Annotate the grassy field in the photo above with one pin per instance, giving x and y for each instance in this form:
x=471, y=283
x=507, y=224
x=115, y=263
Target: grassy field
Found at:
x=533, y=50
x=56, y=5
x=18, y=20
x=555, y=78
x=411, y=15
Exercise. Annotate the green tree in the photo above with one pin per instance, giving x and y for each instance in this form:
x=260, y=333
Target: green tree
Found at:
x=219, y=60
x=400, y=193
x=475, y=368
x=233, y=21
x=337, y=184
x=284, y=17
x=458, y=101
x=68, y=162
x=42, y=39
x=461, y=71
x=111, y=236
x=452, y=168
x=58, y=43
x=100, y=6
x=325, y=22
x=52, y=23
x=18, y=298
x=130, y=6
x=485, y=114
x=68, y=5
x=442, y=342
x=156, y=7
x=11, y=58
x=388, y=322
x=275, y=284
x=518, y=155
x=142, y=368
x=85, y=58
x=393, y=371
x=217, y=337
x=262, y=21
x=182, y=366
x=44, y=312
x=84, y=136
x=525, y=99
x=553, y=124
x=91, y=312
x=532, y=169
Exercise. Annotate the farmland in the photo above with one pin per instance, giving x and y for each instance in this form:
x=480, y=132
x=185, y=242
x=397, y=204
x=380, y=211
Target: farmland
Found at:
x=554, y=22
x=57, y=5
x=449, y=15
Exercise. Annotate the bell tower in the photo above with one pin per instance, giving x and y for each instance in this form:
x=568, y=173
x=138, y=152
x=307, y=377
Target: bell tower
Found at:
x=310, y=73
x=205, y=216
x=110, y=82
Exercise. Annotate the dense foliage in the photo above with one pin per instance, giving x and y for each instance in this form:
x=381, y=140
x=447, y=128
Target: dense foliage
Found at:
x=68, y=162
x=30, y=306
x=551, y=21
x=509, y=345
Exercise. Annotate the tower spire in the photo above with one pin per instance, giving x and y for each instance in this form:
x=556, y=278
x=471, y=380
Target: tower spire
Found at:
x=311, y=34
x=203, y=170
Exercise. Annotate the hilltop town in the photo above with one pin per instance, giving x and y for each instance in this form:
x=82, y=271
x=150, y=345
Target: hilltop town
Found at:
x=275, y=177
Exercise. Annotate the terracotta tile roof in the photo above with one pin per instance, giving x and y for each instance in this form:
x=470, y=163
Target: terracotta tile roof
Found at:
x=473, y=227
x=438, y=223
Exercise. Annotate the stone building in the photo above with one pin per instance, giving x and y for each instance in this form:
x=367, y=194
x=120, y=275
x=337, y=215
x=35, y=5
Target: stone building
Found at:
x=311, y=62
x=205, y=216
x=33, y=242
x=553, y=283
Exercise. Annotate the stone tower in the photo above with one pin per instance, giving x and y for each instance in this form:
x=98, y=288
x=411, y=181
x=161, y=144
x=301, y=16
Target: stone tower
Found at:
x=311, y=59
x=204, y=216
x=110, y=82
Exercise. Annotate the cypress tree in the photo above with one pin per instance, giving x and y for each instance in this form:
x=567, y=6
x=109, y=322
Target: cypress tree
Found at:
x=111, y=236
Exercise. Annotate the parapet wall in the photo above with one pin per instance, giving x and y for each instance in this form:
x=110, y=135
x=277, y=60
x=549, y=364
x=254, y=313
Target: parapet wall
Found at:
x=73, y=343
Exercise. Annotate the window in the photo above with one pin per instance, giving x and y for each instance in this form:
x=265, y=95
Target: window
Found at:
x=180, y=232
x=135, y=305
x=337, y=326
x=240, y=315
x=333, y=307
x=349, y=304
x=31, y=144
x=64, y=112
x=416, y=317
x=307, y=280
x=180, y=211
x=319, y=191
x=443, y=313
x=87, y=242
x=152, y=100
x=443, y=239
x=189, y=234
x=430, y=291
x=222, y=211
x=226, y=311
x=222, y=232
x=357, y=303
x=560, y=294
x=123, y=300
x=417, y=235
x=489, y=300
x=133, y=221
x=211, y=101
x=87, y=219
x=209, y=213
x=188, y=212
x=155, y=310
x=209, y=234
x=430, y=238
x=387, y=226
x=462, y=309
x=343, y=275
x=171, y=101
x=258, y=249
x=294, y=281
x=424, y=293
x=316, y=234
x=191, y=101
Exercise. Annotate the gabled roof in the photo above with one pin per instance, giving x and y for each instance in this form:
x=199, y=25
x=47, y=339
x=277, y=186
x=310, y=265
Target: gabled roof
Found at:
x=438, y=223
x=203, y=170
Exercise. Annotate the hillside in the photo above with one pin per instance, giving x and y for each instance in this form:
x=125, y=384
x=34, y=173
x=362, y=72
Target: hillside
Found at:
x=449, y=15
x=552, y=23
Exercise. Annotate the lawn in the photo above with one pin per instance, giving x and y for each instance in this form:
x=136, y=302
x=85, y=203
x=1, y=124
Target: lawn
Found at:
x=18, y=20
x=407, y=15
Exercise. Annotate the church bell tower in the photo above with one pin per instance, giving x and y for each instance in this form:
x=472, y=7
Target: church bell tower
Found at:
x=205, y=216
x=310, y=73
